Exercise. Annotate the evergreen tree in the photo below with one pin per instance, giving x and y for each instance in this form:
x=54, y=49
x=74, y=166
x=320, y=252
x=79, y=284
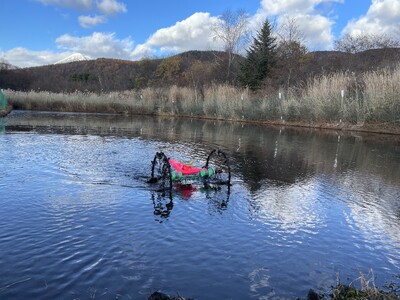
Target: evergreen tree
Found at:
x=261, y=57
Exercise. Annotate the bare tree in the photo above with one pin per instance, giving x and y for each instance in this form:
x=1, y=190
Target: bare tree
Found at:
x=358, y=43
x=288, y=31
x=232, y=30
x=291, y=48
x=4, y=65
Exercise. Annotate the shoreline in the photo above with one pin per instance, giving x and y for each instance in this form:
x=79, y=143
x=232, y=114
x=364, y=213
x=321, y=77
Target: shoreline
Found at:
x=376, y=128
x=383, y=128
x=6, y=111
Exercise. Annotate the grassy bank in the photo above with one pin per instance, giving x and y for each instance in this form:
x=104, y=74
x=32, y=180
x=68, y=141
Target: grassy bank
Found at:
x=362, y=288
x=372, y=97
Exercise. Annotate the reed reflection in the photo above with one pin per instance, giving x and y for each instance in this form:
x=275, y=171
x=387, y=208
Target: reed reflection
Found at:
x=271, y=162
x=284, y=155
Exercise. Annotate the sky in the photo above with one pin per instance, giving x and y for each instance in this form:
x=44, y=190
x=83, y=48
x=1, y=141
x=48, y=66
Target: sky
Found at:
x=41, y=32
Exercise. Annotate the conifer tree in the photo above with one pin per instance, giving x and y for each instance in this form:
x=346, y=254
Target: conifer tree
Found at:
x=261, y=57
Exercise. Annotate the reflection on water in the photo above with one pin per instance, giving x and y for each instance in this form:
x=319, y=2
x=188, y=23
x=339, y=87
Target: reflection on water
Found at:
x=163, y=204
x=285, y=155
x=217, y=198
x=79, y=216
x=3, y=123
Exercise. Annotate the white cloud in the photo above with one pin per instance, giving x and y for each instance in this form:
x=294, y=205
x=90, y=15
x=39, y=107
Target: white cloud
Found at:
x=97, y=45
x=106, y=7
x=22, y=57
x=317, y=28
x=80, y=4
x=89, y=21
x=383, y=17
x=143, y=50
x=192, y=33
x=317, y=31
x=111, y=7
x=278, y=7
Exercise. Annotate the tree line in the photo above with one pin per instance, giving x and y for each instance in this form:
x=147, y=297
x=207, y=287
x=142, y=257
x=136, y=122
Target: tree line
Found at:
x=276, y=57
x=276, y=52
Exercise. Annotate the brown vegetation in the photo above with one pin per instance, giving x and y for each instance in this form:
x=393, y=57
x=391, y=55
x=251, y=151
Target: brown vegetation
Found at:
x=338, y=100
x=107, y=75
x=189, y=69
x=326, y=89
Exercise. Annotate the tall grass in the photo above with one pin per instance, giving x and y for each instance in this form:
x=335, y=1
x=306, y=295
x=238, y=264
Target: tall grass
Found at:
x=381, y=101
x=372, y=97
x=223, y=101
x=339, y=97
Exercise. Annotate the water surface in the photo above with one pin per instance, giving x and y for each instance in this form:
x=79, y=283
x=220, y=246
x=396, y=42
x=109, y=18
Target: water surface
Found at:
x=78, y=220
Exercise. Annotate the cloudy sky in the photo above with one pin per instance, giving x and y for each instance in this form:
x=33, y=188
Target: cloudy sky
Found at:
x=38, y=32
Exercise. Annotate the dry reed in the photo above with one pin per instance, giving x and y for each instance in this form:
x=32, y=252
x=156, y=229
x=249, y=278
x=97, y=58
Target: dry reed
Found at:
x=371, y=97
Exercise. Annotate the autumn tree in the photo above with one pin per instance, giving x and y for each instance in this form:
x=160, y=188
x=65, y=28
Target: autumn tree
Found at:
x=260, y=58
x=232, y=31
x=169, y=69
x=198, y=74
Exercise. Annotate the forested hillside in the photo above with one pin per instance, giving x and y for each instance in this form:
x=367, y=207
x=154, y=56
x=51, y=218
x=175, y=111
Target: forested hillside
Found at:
x=193, y=69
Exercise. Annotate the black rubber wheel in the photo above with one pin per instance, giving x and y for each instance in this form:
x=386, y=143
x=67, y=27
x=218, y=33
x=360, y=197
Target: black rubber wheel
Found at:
x=218, y=160
x=161, y=171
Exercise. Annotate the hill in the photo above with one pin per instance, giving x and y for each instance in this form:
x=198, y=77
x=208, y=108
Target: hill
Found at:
x=102, y=74
x=369, y=60
x=193, y=68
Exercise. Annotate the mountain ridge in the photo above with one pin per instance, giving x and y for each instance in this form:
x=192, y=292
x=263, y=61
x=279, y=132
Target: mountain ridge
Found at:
x=191, y=68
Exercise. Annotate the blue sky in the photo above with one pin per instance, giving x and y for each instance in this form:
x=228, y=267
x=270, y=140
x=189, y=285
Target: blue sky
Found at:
x=38, y=32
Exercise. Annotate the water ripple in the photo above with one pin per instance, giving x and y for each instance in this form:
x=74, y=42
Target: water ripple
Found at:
x=78, y=219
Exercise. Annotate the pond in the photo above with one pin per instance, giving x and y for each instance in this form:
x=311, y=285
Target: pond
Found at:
x=79, y=220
